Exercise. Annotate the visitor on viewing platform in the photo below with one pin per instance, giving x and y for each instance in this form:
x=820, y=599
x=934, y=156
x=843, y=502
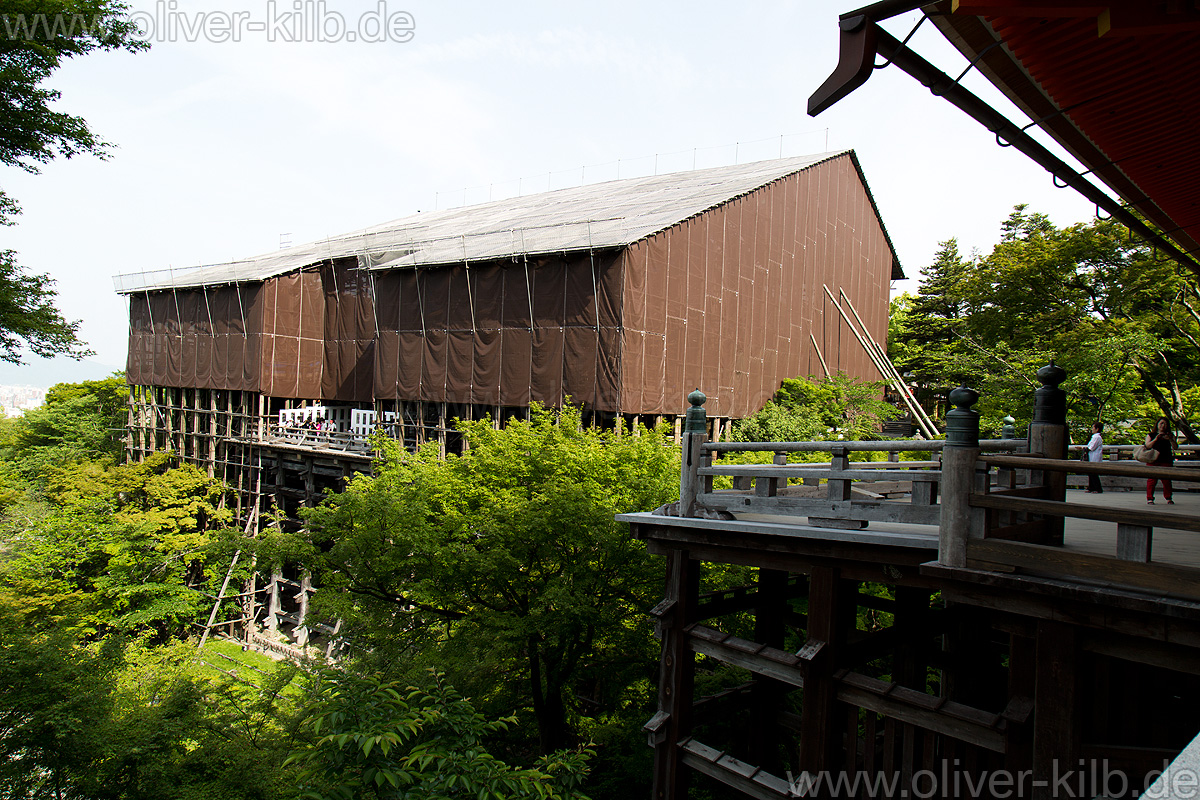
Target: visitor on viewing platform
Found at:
x=1095, y=452
x=1163, y=441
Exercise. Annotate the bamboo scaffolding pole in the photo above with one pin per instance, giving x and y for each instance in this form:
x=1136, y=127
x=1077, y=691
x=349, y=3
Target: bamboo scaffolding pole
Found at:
x=212, y=617
x=899, y=379
x=821, y=357
x=926, y=431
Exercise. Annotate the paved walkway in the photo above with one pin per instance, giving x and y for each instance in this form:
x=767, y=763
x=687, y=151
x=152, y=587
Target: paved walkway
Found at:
x=1174, y=547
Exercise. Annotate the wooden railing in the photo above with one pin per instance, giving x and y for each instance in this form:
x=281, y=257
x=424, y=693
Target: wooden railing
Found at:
x=847, y=500
x=997, y=505
x=320, y=440
x=1009, y=521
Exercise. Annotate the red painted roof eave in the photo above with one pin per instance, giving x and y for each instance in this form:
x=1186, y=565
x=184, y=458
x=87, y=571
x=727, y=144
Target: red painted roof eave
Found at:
x=1137, y=97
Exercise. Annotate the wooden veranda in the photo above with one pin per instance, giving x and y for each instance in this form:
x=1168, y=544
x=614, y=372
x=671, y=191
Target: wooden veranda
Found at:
x=1009, y=655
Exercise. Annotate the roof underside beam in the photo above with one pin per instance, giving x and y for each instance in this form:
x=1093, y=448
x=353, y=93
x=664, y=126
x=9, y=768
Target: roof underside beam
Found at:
x=861, y=39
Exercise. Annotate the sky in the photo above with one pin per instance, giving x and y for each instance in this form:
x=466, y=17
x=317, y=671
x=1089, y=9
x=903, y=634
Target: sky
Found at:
x=226, y=149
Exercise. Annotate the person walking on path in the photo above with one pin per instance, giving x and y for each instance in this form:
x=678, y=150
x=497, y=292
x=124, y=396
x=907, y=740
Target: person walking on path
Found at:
x=1162, y=441
x=1095, y=451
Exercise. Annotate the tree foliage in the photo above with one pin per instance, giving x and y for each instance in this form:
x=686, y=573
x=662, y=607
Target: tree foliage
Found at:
x=1121, y=321
x=36, y=37
x=812, y=409
x=77, y=422
x=114, y=548
x=504, y=565
x=373, y=738
x=111, y=719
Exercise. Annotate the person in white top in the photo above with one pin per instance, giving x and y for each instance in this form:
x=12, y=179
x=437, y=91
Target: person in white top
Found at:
x=1095, y=453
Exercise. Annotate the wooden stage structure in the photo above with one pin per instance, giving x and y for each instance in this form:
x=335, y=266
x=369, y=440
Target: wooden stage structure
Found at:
x=944, y=644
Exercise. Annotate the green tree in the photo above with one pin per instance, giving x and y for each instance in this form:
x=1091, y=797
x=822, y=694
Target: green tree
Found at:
x=36, y=37
x=1123, y=323
x=112, y=719
x=115, y=548
x=812, y=409
x=503, y=565
x=77, y=422
x=372, y=738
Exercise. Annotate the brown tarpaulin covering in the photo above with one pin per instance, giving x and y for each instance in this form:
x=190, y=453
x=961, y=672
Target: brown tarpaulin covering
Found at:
x=502, y=333
x=726, y=301
x=349, y=333
x=205, y=337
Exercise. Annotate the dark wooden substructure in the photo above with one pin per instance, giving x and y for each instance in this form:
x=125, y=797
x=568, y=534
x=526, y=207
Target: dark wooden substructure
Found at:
x=949, y=643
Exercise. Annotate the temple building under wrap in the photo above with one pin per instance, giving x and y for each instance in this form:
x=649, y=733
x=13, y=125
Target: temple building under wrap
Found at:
x=619, y=296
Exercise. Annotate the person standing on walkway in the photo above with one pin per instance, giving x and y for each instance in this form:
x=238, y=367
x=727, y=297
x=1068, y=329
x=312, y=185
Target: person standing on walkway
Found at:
x=1095, y=451
x=1162, y=441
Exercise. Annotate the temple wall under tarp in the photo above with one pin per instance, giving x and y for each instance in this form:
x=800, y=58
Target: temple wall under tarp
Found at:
x=727, y=300
x=307, y=334
x=501, y=333
x=208, y=337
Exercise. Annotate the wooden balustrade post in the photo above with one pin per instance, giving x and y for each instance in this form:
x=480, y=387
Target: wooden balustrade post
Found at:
x=1048, y=436
x=1006, y=477
x=695, y=432
x=958, y=477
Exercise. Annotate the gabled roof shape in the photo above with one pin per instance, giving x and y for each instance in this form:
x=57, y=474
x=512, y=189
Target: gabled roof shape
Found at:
x=595, y=217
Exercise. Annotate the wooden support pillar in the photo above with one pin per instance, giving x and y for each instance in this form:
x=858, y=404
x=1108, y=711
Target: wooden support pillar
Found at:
x=197, y=457
x=839, y=491
x=1022, y=683
x=911, y=620
x=673, y=721
x=310, y=482
x=212, y=433
x=767, y=694
x=441, y=429
x=273, y=605
x=1056, y=732
x=839, y=459
x=130, y=422
x=769, y=487
x=169, y=421
x=827, y=612
x=279, y=481
x=300, y=634
x=1133, y=542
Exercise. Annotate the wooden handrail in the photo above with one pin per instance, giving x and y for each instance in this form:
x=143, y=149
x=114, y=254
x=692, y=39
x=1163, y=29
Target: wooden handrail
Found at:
x=1093, y=467
x=1056, y=508
x=797, y=471
x=883, y=466
x=880, y=445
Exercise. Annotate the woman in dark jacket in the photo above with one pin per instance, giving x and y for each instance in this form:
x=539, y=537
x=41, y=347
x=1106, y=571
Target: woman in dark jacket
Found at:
x=1162, y=441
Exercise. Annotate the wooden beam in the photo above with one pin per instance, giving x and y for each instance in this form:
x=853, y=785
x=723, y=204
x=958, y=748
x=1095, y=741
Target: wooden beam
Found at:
x=746, y=778
x=1156, y=578
x=1055, y=508
x=1020, y=8
x=1123, y=469
x=858, y=510
x=758, y=658
x=956, y=720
